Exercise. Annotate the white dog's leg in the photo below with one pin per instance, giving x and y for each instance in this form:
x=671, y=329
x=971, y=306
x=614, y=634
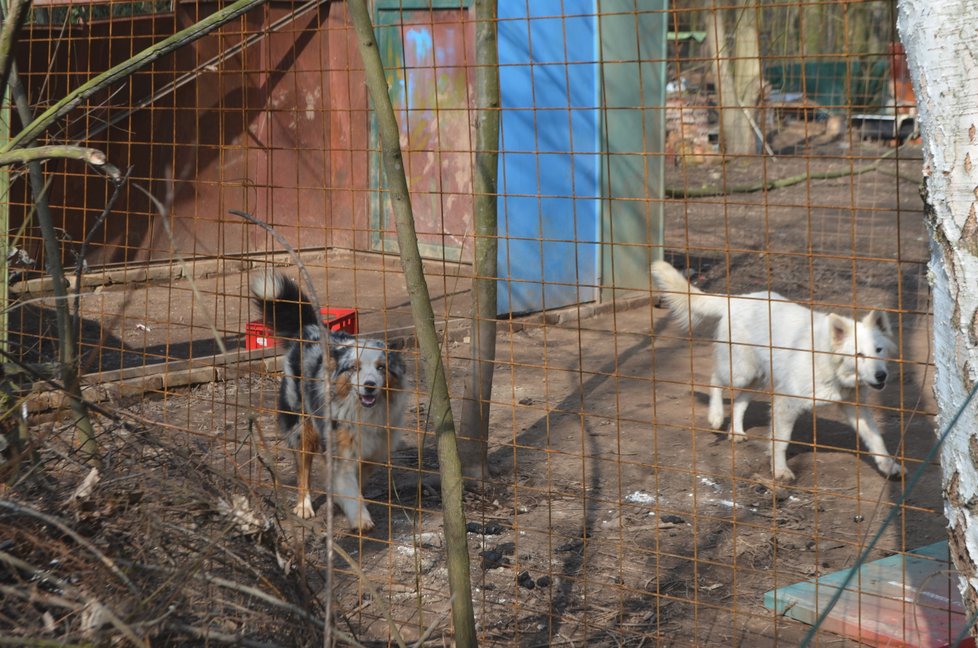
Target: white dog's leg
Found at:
x=783, y=415
x=715, y=417
x=737, y=410
x=346, y=492
x=873, y=440
x=303, y=508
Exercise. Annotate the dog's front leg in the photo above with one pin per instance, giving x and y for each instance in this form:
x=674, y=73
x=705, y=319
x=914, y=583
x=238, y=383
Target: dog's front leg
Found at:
x=741, y=400
x=873, y=440
x=304, y=454
x=783, y=415
x=346, y=491
x=715, y=416
x=346, y=479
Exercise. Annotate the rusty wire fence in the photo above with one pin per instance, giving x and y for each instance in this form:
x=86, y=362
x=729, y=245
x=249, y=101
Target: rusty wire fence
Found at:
x=754, y=146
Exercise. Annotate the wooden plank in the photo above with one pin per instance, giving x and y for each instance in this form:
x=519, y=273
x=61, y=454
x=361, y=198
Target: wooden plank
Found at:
x=902, y=600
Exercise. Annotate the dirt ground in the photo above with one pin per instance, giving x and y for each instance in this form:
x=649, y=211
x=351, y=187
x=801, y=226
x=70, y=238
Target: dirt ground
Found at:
x=614, y=516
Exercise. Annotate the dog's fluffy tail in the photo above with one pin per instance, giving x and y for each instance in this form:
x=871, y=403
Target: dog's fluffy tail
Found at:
x=690, y=306
x=283, y=306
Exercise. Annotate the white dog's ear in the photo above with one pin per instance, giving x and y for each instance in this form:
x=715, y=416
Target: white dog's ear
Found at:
x=879, y=320
x=841, y=328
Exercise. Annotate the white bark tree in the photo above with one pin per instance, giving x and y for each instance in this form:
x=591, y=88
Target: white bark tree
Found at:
x=942, y=49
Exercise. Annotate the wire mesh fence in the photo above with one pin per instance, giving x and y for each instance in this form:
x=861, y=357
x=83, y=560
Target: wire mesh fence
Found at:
x=756, y=147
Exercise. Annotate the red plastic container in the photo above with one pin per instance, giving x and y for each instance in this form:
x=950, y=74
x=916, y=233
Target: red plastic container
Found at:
x=259, y=336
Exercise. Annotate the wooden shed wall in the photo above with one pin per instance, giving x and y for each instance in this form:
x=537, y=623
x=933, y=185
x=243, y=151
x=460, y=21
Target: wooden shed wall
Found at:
x=278, y=130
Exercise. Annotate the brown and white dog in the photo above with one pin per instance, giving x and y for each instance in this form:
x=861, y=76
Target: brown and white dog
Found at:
x=367, y=406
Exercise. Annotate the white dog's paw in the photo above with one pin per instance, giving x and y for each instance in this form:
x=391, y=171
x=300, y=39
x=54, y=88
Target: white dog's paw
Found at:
x=715, y=419
x=889, y=467
x=357, y=515
x=365, y=523
x=304, y=508
x=737, y=437
x=784, y=474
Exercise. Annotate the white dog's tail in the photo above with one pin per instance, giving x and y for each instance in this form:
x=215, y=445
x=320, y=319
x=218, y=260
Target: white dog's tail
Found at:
x=690, y=306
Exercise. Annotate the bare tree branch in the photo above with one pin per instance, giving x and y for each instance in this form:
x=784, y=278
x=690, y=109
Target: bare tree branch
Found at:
x=67, y=349
x=39, y=153
x=71, y=533
x=45, y=120
x=15, y=12
x=456, y=543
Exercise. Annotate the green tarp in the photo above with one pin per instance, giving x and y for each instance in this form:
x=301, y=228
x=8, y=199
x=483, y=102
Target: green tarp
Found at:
x=836, y=85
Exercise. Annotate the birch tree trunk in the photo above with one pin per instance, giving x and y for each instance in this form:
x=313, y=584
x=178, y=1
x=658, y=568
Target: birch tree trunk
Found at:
x=942, y=50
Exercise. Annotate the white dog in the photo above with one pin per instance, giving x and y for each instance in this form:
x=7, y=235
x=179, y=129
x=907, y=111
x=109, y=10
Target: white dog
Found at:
x=806, y=358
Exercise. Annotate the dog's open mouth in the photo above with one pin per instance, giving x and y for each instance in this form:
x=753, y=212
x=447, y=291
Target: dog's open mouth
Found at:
x=368, y=400
x=878, y=386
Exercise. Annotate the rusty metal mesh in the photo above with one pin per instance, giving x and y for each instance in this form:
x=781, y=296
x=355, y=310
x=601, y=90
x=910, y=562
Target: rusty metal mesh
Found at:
x=613, y=513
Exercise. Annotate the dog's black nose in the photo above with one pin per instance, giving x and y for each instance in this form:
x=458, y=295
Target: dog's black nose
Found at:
x=371, y=385
x=881, y=377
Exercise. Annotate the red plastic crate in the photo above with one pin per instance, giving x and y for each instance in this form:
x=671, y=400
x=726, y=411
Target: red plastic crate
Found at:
x=259, y=336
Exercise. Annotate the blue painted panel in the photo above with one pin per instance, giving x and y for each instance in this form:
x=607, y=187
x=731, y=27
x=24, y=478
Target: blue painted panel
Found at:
x=549, y=168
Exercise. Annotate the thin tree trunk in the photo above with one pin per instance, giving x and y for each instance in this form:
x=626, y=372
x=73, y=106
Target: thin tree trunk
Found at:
x=19, y=439
x=747, y=79
x=14, y=13
x=812, y=29
x=67, y=347
x=716, y=42
x=473, y=444
x=737, y=77
x=942, y=50
x=456, y=543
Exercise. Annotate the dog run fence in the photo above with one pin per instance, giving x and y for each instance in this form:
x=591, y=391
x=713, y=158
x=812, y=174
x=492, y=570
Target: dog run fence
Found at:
x=754, y=146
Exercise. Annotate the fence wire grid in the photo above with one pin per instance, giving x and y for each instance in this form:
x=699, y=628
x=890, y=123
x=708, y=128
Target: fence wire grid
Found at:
x=756, y=147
